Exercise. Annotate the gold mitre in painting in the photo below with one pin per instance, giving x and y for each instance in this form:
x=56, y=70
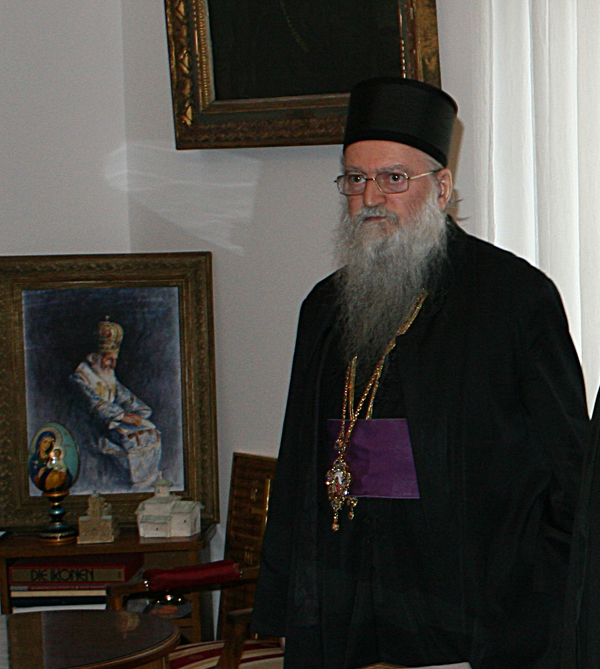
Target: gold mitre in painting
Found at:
x=110, y=336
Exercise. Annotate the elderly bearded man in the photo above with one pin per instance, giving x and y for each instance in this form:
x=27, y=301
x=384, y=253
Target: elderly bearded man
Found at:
x=429, y=466
x=122, y=448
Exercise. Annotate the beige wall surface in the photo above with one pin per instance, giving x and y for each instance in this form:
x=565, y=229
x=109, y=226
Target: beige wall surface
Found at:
x=89, y=166
x=62, y=112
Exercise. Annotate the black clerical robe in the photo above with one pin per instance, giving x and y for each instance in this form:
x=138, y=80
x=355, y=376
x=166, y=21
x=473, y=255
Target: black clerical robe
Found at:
x=475, y=569
x=581, y=644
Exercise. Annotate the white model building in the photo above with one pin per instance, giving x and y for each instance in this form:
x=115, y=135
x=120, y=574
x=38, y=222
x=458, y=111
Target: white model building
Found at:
x=167, y=515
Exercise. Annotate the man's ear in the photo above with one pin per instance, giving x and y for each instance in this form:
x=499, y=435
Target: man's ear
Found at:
x=444, y=180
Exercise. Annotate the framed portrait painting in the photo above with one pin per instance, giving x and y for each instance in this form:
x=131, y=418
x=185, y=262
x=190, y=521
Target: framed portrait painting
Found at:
x=278, y=72
x=119, y=350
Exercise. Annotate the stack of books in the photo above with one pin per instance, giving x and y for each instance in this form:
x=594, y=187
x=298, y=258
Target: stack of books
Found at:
x=70, y=581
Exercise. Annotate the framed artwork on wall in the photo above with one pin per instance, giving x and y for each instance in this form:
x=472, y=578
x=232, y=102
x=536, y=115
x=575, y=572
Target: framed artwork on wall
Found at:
x=278, y=73
x=120, y=350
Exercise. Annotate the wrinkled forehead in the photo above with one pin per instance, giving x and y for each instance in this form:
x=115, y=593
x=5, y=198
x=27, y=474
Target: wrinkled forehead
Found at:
x=375, y=155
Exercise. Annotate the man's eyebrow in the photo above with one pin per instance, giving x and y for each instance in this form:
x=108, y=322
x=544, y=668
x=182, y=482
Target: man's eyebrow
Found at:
x=386, y=168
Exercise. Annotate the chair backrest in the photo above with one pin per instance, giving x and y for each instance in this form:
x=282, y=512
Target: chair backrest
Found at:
x=251, y=477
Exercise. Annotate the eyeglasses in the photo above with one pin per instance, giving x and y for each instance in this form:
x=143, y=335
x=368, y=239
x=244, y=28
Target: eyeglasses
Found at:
x=390, y=183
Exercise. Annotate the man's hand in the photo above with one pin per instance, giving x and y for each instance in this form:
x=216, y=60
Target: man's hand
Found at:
x=132, y=419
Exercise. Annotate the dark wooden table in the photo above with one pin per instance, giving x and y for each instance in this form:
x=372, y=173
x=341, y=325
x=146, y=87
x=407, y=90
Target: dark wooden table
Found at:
x=16, y=546
x=86, y=639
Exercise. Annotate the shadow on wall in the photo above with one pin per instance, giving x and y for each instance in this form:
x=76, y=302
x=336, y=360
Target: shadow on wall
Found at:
x=208, y=194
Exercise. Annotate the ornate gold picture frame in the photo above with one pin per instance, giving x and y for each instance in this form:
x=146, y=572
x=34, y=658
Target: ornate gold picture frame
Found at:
x=277, y=73
x=51, y=308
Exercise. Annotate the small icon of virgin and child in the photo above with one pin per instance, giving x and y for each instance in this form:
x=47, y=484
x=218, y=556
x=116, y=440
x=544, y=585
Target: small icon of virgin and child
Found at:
x=53, y=459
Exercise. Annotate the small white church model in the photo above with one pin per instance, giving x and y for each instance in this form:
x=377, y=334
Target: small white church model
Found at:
x=167, y=515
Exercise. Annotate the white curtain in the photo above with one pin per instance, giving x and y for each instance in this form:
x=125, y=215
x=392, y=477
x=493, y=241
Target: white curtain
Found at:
x=537, y=140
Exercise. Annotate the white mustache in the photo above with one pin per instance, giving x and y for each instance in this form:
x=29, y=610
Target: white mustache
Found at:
x=366, y=212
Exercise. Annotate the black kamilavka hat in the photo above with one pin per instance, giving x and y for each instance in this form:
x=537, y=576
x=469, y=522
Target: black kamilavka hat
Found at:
x=402, y=110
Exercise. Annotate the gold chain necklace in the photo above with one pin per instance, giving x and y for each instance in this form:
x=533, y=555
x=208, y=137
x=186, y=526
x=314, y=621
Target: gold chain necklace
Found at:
x=339, y=478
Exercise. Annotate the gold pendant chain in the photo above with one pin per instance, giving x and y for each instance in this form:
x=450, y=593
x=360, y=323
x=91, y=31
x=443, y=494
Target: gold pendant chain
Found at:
x=339, y=478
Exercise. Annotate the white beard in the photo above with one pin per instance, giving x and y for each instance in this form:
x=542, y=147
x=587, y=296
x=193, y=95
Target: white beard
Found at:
x=107, y=375
x=383, y=275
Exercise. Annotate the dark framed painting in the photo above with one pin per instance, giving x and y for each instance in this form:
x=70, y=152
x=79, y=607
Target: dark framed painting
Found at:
x=118, y=349
x=278, y=72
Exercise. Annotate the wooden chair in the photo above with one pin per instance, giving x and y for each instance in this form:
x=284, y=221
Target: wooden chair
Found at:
x=251, y=478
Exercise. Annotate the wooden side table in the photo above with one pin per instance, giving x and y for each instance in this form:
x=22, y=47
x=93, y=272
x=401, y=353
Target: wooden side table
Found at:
x=69, y=639
x=17, y=546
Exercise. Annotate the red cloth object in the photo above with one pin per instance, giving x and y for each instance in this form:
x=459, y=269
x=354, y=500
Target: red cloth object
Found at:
x=222, y=571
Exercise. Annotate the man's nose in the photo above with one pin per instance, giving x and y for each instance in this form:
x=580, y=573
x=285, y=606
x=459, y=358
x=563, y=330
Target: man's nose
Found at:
x=373, y=194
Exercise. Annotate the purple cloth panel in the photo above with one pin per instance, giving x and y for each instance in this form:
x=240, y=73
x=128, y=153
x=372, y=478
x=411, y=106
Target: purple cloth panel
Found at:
x=379, y=457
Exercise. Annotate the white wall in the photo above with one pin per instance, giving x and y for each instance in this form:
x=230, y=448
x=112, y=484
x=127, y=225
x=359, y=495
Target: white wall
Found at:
x=456, y=60
x=62, y=113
